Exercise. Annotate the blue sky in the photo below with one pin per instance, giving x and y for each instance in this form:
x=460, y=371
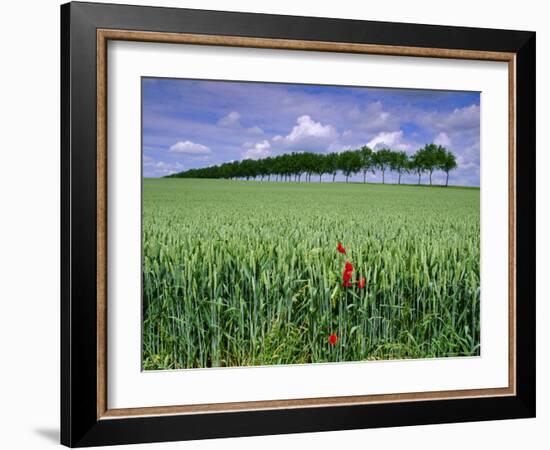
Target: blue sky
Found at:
x=196, y=123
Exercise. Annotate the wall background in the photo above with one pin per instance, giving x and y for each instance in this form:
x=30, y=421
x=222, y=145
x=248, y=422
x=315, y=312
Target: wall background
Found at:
x=29, y=224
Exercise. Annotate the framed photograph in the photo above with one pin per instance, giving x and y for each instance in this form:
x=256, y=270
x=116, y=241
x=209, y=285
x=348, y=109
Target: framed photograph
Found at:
x=276, y=224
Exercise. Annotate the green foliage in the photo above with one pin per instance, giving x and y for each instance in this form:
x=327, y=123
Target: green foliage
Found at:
x=382, y=160
x=294, y=165
x=367, y=161
x=240, y=273
x=399, y=163
x=447, y=163
x=349, y=163
x=331, y=162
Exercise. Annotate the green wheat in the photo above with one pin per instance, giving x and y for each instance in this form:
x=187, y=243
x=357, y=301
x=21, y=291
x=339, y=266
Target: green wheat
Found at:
x=239, y=273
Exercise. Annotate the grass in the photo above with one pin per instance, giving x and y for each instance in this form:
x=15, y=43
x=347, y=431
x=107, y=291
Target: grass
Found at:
x=239, y=273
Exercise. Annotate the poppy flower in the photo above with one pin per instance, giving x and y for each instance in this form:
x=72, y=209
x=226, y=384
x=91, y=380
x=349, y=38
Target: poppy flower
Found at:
x=346, y=275
x=361, y=283
x=332, y=339
x=341, y=249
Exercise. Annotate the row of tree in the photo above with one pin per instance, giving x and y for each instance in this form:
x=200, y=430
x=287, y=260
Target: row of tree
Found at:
x=292, y=166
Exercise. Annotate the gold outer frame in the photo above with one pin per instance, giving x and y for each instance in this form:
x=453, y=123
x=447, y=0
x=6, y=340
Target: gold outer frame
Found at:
x=104, y=35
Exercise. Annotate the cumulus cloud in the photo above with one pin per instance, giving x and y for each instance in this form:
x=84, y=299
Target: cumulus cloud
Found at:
x=373, y=118
x=254, y=130
x=153, y=168
x=231, y=120
x=308, y=134
x=347, y=133
x=392, y=139
x=258, y=151
x=458, y=120
x=463, y=118
x=190, y=148
x=443, y=139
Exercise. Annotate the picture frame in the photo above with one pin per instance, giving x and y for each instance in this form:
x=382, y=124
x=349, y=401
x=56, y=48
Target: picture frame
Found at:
x=86, y=29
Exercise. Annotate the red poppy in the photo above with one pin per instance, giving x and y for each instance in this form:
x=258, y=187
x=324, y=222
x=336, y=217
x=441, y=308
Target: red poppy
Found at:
x=346, y=276
x=361, y=283
x=341, y=249
x=332, y=339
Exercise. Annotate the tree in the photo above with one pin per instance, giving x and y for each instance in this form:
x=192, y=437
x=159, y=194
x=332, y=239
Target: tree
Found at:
x=286, y=166
x=267, y=167
x=263, y=167
x=320, y=165
x=447, y=164
x=249, y=169
x=332, y=164
x=382, y=160
x=366, y=161
x=296, y=165
x=293, y=165
x=416, y=164
x=310, y=162
x=349, y=162
x=400, y=164
x=432, y=156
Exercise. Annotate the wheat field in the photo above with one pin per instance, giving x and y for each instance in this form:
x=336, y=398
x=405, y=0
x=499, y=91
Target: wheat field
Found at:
x=240, y=273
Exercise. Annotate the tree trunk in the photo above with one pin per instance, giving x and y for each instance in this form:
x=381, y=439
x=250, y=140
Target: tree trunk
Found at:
x=347, y=178
x=431, y=177
x=334, y=177
x=399, y=179
x=364, y=176
x=269, y=177
x=320, y=175
x=447, y=180
x=419, y=178
x=383, y=177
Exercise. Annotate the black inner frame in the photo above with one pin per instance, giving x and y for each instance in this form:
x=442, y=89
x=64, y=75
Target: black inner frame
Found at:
x=79, y=423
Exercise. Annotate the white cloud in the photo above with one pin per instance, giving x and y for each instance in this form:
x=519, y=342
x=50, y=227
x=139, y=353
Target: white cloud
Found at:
x=190, y=148
x=443, y=139
x=373, y=118
x=339, y=147
x=458, y=120
x=306, y=127
x=391, y=139
x=259, y=150
x=461, y=118
x=308, y=134
x=152, y=168
x=232, y=119
x=254, y=130
x=347, y=133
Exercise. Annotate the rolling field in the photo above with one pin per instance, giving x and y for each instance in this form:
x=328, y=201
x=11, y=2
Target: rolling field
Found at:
x=239, y=273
